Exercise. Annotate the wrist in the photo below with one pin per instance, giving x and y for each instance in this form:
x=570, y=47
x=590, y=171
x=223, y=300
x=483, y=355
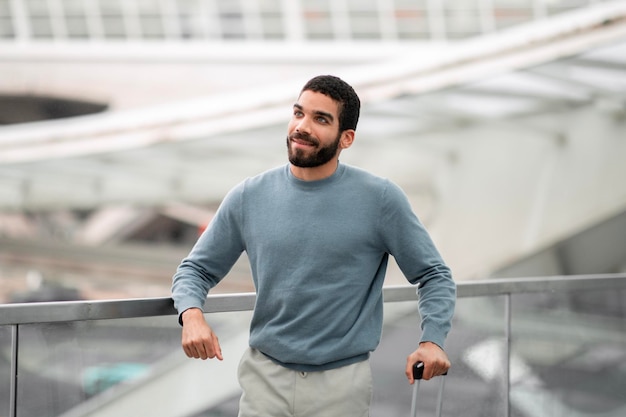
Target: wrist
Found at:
x=428, y=343
x=191, y=314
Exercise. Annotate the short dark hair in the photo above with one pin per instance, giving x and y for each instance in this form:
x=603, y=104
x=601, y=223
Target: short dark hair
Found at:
x=342, y=93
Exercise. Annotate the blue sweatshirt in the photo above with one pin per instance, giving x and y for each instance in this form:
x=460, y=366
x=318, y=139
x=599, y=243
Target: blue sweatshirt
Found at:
x=318, y=252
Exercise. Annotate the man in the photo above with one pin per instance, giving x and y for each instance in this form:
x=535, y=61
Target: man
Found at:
x=318, y=234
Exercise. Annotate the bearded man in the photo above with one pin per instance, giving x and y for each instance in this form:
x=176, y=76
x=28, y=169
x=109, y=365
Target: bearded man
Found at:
x=318, y=234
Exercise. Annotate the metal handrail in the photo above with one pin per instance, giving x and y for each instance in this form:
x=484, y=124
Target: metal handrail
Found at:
x=51, y=312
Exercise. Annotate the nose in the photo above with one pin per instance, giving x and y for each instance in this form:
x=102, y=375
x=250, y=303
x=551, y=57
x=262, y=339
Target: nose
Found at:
x=302, y=125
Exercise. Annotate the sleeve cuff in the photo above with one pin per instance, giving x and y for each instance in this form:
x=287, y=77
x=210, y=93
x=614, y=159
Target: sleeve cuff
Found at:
x=433, y=336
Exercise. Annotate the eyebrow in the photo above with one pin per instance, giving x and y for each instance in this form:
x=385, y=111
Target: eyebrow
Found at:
x=316, y=112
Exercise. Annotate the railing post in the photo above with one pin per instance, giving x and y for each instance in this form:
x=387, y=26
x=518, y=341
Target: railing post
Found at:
x=15, y=333
x=507, y=354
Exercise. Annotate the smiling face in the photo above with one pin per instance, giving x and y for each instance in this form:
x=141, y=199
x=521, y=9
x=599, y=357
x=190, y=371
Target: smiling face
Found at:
x=314, y=141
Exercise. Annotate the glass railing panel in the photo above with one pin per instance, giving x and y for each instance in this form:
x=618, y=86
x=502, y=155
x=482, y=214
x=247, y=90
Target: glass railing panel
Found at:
x=475, y=346
x=5, y=369
x=392, y=393
x=202, y=388
x=125, y=367
x=568, y=354
x=62, y=365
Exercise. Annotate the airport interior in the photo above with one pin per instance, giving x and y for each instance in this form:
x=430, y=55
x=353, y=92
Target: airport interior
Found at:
x=124, y=123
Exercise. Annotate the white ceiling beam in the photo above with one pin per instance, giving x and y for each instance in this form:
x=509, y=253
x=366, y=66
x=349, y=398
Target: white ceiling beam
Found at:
x=536, y=43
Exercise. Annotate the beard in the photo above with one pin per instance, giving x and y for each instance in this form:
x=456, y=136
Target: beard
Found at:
x=315, y=158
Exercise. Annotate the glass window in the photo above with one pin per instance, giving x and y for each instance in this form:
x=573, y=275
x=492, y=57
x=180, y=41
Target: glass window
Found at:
x=509, y=13
x=231, y=19
x=77, y=27
x=36, y=7
x=75, y=19
x=41, y=27
x=113, y=26
x=151, y=18
x=272, y=19
x=317, y=19
x=560, y=6
x=463, y=19
x=112, y=19
x=364, y=19
x=412, y=19
x=38, y=18
x=6, y=27
x=5, y=9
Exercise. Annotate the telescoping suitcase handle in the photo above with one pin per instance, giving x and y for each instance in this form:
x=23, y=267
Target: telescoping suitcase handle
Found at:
x=418, y=373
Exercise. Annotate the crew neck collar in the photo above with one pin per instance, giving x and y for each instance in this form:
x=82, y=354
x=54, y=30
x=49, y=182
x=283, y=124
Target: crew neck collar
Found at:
x=315, y=183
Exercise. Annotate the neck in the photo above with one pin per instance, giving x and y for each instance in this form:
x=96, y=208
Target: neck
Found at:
x=316, y=173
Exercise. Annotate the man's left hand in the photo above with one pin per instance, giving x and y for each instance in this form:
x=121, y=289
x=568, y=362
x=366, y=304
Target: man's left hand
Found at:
x=435, y=361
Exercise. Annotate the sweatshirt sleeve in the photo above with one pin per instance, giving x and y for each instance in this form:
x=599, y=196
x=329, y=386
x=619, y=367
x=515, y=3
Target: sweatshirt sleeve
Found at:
x=415, y=253
x=212, y=257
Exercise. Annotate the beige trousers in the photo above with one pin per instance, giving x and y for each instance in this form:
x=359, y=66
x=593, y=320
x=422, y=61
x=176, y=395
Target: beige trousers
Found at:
x=271, y=390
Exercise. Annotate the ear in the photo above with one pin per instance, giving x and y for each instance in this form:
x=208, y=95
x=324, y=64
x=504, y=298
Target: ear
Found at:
x=347, y=138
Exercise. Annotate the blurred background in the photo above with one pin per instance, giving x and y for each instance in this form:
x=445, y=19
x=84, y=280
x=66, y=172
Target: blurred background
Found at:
x=123, y=123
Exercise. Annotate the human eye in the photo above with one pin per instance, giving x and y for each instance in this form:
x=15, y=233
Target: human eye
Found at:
x=322, y=120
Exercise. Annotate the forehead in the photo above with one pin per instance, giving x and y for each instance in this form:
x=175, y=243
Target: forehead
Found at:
x=317, y=102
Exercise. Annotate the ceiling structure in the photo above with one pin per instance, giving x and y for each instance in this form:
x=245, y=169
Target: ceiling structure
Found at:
x=194, y=150
x=269, y=20
x=437, y=119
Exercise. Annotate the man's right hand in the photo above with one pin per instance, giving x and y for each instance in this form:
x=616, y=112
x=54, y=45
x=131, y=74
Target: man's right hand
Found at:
x=198, y=339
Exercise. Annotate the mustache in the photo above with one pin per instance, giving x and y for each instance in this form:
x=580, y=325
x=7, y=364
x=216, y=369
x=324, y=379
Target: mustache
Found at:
x=304, y=137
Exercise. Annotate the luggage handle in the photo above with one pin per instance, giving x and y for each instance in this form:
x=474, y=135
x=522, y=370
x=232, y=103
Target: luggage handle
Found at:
x=418, y=373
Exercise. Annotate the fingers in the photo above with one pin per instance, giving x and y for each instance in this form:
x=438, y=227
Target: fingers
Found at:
x=218, y=350
x=195, y=351
x=409, y=373
x=411, y=360
x=431, y=370
x=203, y=348
x=200, y=342
x=435, y=369
x=435, y=361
